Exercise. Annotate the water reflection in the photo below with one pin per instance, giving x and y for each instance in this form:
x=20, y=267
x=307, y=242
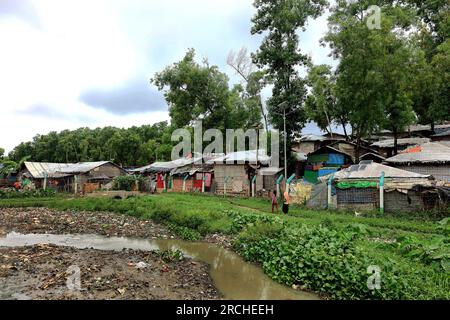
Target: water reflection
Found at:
x=233, y=277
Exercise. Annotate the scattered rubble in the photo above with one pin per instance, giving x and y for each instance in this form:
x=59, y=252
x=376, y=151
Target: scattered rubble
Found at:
x=42, y=272
x=43, y=220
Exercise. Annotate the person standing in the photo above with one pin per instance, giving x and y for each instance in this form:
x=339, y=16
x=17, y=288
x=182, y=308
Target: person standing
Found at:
x=286, y=201
x=274, y=201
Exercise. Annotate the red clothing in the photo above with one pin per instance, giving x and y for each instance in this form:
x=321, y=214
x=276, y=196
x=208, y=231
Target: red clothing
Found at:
x=274, y=199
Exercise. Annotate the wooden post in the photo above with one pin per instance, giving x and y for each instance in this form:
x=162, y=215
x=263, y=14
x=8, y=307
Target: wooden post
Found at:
x=253, y=186
x=164, y=182
x=45, y=180
x=280, y=178
x=288, y=182
x=225, y=186
x=184, y=182
x=203, y=183
x=75, y=188
x=382, y=192
x=330, y=184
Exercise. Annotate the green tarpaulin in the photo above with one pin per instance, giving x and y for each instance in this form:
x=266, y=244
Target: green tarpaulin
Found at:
x=357, y=184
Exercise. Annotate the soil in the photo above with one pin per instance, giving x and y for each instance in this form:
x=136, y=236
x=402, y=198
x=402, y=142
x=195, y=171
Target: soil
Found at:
x=43, y=220
x=41, y=271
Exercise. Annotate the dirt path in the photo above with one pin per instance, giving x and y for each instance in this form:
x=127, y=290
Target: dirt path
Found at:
x=41, y=271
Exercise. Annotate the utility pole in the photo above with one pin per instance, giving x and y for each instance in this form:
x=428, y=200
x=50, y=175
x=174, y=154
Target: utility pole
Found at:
x=285, y=138
x=284, y=105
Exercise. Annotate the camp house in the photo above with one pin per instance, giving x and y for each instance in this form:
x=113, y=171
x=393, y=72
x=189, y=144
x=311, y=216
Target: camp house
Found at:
x=334, y=157
x=7, y=180
x=431, y=158
x=235, y=171
x=417, y=130
x=81, y=177
x=187, y=174
x=442, y=138
x=358, y=188
x=386, y=147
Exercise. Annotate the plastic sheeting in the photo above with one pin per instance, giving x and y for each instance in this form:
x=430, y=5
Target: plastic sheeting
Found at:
x=357, y=184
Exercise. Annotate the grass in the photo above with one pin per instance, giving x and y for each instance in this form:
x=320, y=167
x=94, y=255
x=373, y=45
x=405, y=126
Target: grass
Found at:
x=323, y=251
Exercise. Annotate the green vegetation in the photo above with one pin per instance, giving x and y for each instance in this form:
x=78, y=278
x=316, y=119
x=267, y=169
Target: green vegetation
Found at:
x=12, y=193
x=326, y=252
x=127, y=182
x=170, y=255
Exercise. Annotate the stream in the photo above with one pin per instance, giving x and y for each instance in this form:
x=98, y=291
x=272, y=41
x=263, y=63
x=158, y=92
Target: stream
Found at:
x=232, y=276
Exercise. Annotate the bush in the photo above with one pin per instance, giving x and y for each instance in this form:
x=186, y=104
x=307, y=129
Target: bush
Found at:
x=127, y=183
x=328, y=261
x=11, y=193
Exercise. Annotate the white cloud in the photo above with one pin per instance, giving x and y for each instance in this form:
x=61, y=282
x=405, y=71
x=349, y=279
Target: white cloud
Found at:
x=57, y=50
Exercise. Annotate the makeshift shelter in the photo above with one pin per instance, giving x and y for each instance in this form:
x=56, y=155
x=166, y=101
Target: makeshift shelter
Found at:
x=418, y=130
x=358, y=188
x=431, y=158
x=194, y=177
x=234, y=171
x=67, y=176
x=386, y=147
x=7, y=180
x=307, y=143
x=190, y=173
x=324, y=161
x=443, y=137
x=267, y=178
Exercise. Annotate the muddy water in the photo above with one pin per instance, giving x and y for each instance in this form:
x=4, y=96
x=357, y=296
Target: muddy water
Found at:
x=232, y=276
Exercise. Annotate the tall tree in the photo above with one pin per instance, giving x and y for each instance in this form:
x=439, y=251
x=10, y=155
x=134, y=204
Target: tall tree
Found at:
x=280, y=57
x=373, y=71
x=433, y=30
x=242, y=63
x=200, y=91
x=322, y=105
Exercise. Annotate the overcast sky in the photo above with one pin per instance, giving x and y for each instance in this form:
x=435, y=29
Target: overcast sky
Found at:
x=66, y=64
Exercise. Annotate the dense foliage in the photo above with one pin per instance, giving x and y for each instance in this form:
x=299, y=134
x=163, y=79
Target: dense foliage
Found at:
x=128, y=147
x=325, y=252
x=128, y=183
x=11, y=193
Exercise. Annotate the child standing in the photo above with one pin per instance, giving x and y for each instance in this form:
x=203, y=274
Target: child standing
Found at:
x=274, y=201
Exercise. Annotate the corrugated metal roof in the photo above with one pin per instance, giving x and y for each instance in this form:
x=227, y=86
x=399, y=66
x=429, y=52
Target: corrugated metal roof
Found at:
x=371, y=170
x=422, y=127
x=310, y=137
x=39, y=170
x=243, y=156
x=432, y=152
x=389, y=143
x=442, y=134
x=270, y=171
x=82, y=167
x=299, y=156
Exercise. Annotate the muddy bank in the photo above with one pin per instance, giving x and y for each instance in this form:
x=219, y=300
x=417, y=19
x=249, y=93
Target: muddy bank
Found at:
x=41, y=272
x=43, y=220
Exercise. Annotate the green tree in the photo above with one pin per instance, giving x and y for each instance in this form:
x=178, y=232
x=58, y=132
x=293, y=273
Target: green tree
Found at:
x=322, y=105
x=280, y=57
x=254, y=81
x=2, y=153
x=374, y=67
x=200, y=91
